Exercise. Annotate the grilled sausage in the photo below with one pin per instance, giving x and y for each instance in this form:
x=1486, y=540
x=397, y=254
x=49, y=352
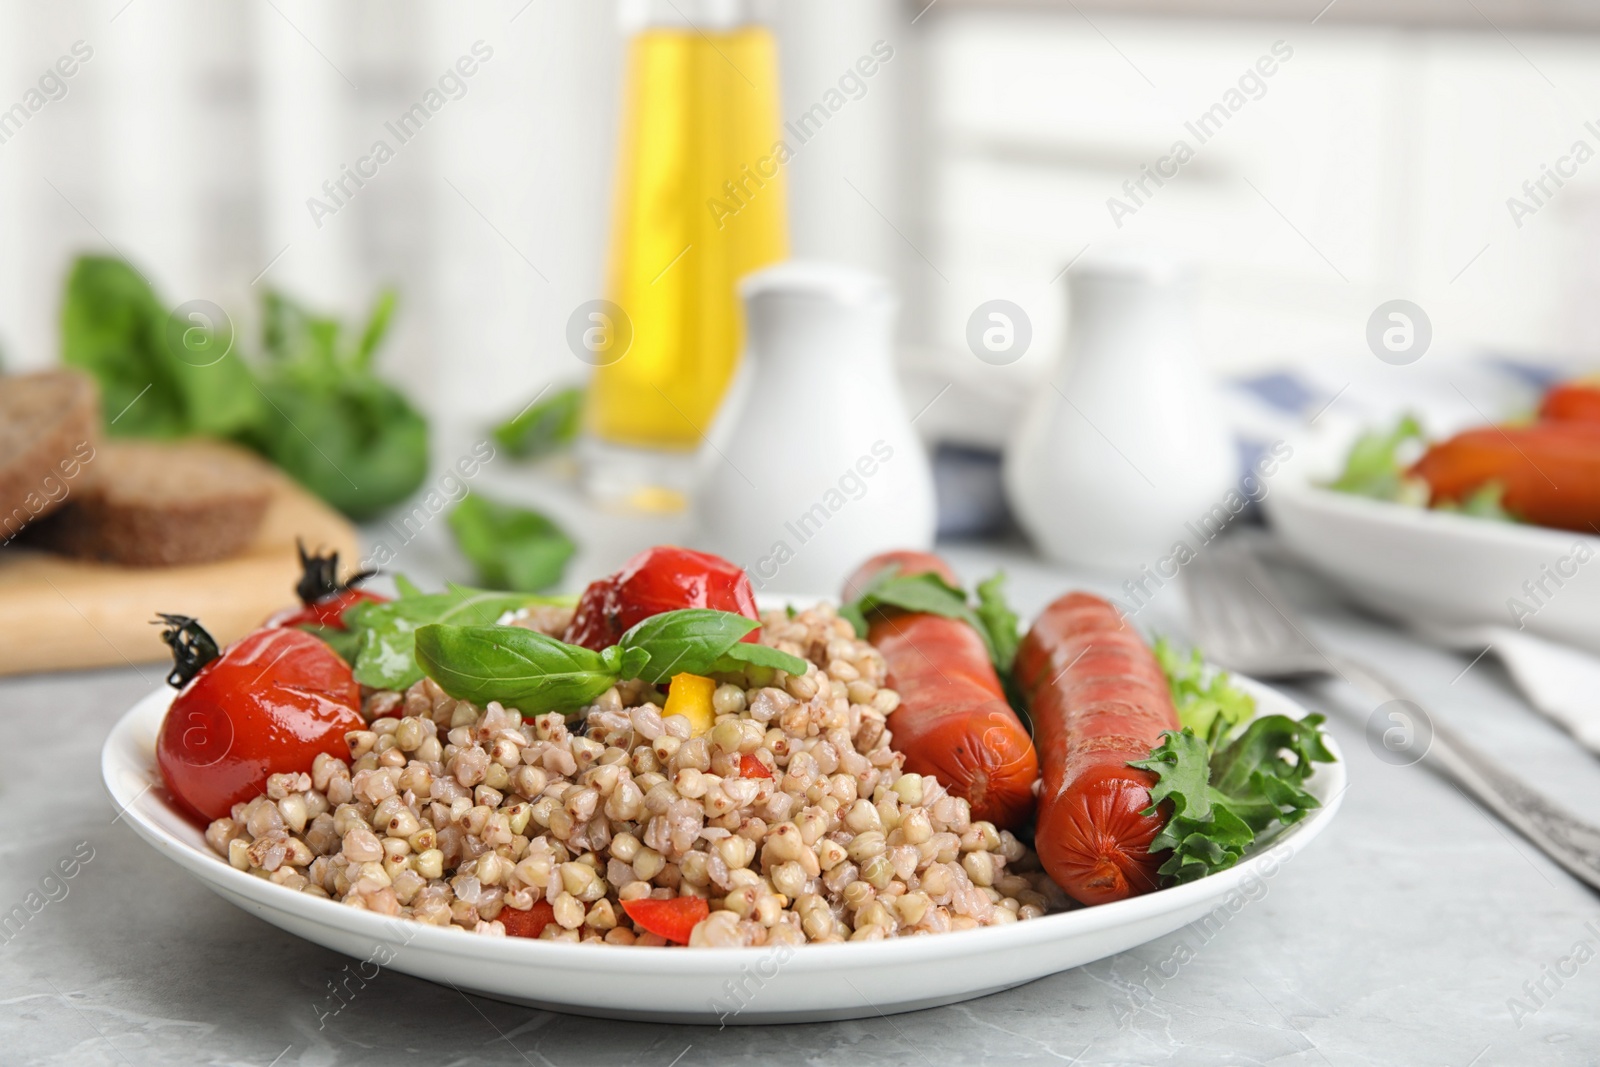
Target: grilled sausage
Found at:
x=1098, y=699
x=953, y=721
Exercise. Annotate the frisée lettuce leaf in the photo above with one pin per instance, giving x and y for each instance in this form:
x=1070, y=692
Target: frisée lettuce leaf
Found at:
x=1206, y=701
x=1225, y=777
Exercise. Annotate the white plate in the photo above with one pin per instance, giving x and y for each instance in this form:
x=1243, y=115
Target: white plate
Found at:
x=808, y=983
x=1443, y=569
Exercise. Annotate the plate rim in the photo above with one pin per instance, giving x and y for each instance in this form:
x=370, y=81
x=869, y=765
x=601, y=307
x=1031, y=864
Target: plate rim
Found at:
x=1523, y=536
x=1331, y=784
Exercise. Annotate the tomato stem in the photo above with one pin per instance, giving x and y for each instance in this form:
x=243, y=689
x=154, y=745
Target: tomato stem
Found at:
x=319, y=578
x=192, y=648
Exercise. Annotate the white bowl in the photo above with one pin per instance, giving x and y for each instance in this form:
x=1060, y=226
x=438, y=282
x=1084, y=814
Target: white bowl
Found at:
x=1444, y=569
x=762, y=985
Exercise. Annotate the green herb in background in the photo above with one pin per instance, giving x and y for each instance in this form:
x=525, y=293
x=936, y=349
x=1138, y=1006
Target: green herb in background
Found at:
x=544, y=428
x=385, y=657
x=1374, y=466
x=316, y=410
x=158, y=376
x=329, y=422
x=511, y=547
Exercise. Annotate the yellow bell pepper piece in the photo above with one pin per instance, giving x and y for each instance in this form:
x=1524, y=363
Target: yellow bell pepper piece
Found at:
x=689, y=695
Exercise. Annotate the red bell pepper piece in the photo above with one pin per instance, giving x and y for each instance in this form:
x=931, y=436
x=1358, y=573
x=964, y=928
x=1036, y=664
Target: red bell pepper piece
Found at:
x=530, y=923
x=673, y=919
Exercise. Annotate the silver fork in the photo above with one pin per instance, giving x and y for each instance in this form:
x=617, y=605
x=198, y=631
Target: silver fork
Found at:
x=1243, y=622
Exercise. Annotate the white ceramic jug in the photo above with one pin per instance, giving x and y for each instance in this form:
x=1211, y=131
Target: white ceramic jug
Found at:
x=822, y=467
x=1124, y=444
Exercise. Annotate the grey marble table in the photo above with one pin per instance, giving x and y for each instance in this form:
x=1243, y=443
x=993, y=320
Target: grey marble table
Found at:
x=1404, y=936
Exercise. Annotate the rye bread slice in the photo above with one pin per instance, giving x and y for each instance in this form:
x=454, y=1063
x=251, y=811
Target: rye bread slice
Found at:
x=156, y=503
x=49, y=428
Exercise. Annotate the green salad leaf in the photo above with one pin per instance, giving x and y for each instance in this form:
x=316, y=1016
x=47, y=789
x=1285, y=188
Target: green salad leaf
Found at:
x=992, y=618
x=543, y=428
x=1208, y=703
x=1484, y=502
x=1223, y=797
x=1226, y=776
x=511, y=547
x=386, y=656
x=1375, y=465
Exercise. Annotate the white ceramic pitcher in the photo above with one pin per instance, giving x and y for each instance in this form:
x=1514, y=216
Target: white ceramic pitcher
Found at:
x=822, y=467
x=1124, y=444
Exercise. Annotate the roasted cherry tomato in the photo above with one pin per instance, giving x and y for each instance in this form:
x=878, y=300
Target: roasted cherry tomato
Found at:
x=664, y=578
x=266, y=706
x=530, y=923
x=673, y=919
x=323, y=597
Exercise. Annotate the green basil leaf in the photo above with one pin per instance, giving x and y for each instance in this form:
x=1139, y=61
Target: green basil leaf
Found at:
x=926, y=592
x=386, y=658
x=511, y=547
x=521, y=668
x=343, y=642
x=687, y=641
x=328, y=420
x=159, y=375
x=921, y=592
x=543, y=428
x=743, y=654
x=346, y=435
x=1000, y=623
x=852, y=614
x=632, y=662
x=377, y=326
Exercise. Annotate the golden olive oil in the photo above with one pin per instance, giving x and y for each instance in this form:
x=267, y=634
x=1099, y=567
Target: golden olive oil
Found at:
x=699, y=203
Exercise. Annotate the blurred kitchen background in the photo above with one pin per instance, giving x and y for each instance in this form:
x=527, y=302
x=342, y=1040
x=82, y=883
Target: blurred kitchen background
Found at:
x=1375, y=163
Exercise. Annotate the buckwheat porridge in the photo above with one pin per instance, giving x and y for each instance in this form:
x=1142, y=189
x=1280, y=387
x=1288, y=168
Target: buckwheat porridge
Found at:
x=789, y=816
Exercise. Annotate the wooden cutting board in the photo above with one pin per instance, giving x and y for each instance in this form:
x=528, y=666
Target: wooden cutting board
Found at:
x=58, y=613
